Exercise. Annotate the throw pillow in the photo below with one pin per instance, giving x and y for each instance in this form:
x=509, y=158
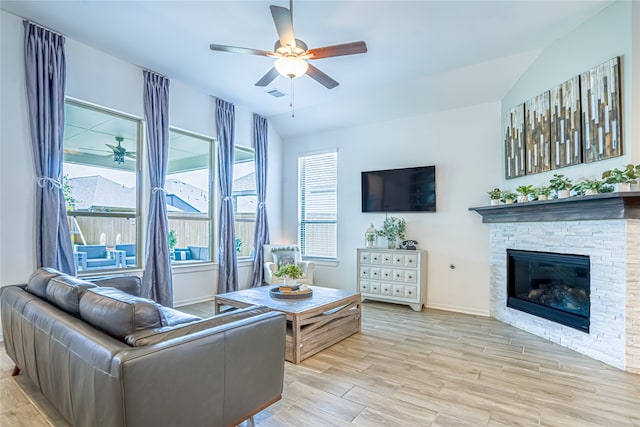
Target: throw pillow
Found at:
x=285, y=255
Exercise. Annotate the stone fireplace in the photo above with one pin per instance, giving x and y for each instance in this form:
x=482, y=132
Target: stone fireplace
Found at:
x=604, y=228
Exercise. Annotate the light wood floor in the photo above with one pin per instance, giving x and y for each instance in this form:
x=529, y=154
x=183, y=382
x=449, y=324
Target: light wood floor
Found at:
x=419, y=369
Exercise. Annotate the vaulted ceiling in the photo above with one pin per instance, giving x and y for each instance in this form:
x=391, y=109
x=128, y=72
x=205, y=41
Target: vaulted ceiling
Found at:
x=423, y=56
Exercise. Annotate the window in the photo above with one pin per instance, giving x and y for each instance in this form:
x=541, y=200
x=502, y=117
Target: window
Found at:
x=188, y=189
x=317, y=204
x=100, y=186
x=245, y=199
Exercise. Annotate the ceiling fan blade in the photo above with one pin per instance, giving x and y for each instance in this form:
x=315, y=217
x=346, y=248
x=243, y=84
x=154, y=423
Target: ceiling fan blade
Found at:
x=321, y=77
x=234, y=49
x=268, y=78
x=130, y=155
x=284, y=25
x=338, y=50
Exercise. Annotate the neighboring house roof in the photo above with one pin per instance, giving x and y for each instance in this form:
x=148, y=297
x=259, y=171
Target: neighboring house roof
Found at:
x=186, y=197
x=244, y=184
x=97, y=193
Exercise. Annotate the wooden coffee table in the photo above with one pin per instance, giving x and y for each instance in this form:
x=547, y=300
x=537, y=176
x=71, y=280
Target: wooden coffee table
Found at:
x=313, y=324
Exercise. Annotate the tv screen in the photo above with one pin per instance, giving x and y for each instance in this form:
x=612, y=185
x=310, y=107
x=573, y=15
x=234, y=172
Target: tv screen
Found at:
x=399, y=190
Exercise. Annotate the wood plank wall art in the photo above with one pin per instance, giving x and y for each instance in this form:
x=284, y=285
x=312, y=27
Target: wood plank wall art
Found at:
x=537, y=134
x=577, y=121
x=565, y=124
x=601, y=113
x=513, y=131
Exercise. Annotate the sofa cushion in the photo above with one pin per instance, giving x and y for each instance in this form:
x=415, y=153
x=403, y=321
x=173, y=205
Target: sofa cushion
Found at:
x=199, y=252
x=182, y=254
x=39, y=279
x=118, y=313
x=65, y=292
x=128, y=283
x=157, y=335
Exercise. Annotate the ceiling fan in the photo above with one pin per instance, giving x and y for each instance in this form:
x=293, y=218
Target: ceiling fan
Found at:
x=119, y=152
x=291, y=53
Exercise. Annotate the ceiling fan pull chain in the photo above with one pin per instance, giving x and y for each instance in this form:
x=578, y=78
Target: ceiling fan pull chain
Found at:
x=291, y=99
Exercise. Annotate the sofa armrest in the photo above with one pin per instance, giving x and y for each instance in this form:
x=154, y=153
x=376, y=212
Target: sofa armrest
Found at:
x=307, y=268
x=218, y=376
x=269, y=270
x=157, y=335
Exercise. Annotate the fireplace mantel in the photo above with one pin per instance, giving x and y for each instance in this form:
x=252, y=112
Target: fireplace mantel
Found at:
x=625, y=205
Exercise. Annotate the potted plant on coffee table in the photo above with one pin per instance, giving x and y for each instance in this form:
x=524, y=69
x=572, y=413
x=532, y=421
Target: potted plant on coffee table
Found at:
x=561, y=184
x=290, y=272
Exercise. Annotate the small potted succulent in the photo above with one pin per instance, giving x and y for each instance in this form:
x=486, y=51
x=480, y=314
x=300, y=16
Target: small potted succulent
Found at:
x=622, y=179
x=561, y=184
x=495, y=196
x=523, y=193
x=542, y=193
x=291, y=273
x=508, y=197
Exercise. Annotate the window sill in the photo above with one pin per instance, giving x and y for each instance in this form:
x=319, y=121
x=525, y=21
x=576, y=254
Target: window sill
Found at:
x=323, y=261
x=245, y=262
x=193, y=266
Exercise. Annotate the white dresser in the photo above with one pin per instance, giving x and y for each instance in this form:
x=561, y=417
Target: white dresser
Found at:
x=393, y=275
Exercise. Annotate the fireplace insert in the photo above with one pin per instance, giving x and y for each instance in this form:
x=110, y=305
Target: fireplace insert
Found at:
x=550, y=285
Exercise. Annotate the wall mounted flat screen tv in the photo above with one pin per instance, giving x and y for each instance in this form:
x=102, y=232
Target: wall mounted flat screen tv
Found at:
x=399, y=190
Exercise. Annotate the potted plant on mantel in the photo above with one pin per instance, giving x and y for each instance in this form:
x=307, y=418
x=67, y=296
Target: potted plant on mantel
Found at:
x=561, y=184
x=523, y=193
x=589, y=187
x=393, y=229
x=495, y=196
x=542, y=193
x=508, y=197
x=622, y=179
x=291, y=273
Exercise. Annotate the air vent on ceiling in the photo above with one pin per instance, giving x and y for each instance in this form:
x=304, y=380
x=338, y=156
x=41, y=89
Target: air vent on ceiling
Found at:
x=275, y=92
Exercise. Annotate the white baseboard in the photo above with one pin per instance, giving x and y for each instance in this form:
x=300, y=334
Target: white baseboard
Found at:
x=459, y=309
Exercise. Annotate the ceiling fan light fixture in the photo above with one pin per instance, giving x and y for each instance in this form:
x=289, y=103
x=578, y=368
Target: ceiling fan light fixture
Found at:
x=290, y=66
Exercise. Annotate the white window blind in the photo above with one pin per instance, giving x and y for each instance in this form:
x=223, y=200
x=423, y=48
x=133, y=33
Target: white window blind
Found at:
x=318, y=204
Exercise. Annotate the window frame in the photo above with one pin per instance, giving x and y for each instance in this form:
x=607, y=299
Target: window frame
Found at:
x=235, y=207
x=213, y=197
x=137, y=215
x=301, y=221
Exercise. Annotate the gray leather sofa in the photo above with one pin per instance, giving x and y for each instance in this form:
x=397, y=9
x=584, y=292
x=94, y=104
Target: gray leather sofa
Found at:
x=106, y=357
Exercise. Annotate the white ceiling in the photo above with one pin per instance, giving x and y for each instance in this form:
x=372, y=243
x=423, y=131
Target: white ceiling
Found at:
x=423, y=56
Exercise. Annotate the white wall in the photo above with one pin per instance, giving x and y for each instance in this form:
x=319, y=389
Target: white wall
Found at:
x=98, y=78
x=464, y=146
x=599, y=39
